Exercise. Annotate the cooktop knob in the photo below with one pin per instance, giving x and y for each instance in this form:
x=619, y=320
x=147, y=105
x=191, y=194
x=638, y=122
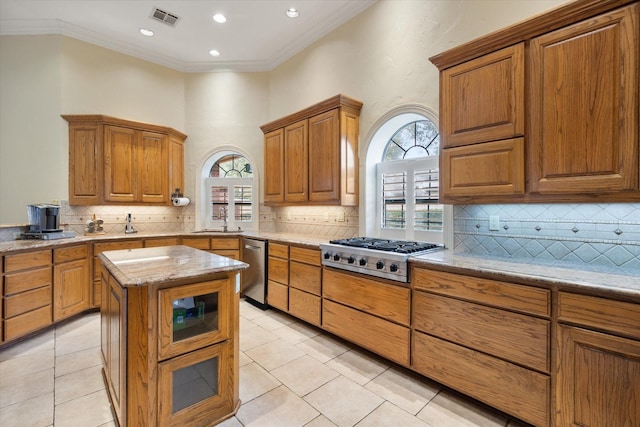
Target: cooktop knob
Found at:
x=363, y=262
x=327, y=255
x=351, y=260
x=336, y=257
x=379, y=265
x=393, y=268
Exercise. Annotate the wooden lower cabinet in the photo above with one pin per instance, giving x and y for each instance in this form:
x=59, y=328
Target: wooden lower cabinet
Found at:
x=27, y=293
x=278, y=295
x=368, y=312
x=503, y=385
x=598, y=363
x=305, y=306
x=226, y=246
x=380, y=336
x=488, y=339
x=167, y=367
x=71, y=281
x=278, y=276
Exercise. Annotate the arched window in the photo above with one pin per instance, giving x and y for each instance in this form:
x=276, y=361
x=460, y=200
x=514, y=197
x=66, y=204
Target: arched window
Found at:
x=407, y=184
x=229, y=190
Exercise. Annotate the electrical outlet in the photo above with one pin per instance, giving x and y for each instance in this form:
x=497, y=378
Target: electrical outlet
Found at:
x=326, y=217
x=341, y=216
x=494, y=222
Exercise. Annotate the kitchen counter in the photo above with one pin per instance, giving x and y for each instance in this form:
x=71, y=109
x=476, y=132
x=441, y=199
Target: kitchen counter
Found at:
x=585, y=278
x=165, y=264
x=625, y=282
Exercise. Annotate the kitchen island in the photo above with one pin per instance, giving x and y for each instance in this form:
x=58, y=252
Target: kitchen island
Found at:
x=169, y=331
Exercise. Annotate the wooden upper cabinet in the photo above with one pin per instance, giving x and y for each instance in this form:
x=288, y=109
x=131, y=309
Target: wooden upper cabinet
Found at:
x=311, y=157
x=85, y=160
x=567, y=83
x=474, y=111
x=118, y=161
x=296, y=149
x=119, y=164
x=274, y=167
x=176, y=163
x=584, y=106
x=153, y=168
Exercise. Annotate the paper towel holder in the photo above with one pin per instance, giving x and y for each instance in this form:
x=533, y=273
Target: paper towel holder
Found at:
x=176, y=197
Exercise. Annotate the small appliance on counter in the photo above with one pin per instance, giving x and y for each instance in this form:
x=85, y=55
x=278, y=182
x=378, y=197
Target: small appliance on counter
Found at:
x=44, y=223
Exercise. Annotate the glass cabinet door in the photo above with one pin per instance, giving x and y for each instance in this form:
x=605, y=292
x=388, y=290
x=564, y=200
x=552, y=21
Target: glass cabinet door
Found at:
x=193, y=316
x=195, y=387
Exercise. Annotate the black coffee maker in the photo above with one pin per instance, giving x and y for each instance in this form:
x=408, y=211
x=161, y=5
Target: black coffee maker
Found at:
x=44, y=218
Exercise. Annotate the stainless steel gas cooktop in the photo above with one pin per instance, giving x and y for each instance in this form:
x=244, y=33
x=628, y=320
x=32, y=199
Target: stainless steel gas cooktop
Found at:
x=373, y=256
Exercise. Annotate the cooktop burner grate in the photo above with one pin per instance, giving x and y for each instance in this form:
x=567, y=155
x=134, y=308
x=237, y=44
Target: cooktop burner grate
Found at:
x=398, y=246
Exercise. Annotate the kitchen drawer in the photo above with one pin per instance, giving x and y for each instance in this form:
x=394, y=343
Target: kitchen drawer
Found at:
x=515, y=337
x=20, y=325
x=278, y=295
x=503, y=385
x=599, y=313
x=225, y=243
x=305, y=306
x=115, y=246
x=28, y=280
x=526, y=299
x=70, y=253
x=26, y=301
x=26, y=260
x=278, y=270
x=197, y=242
x=307, y=256
x=305, y=277
x=165, y=241
x=229, y=253
x=381, y=299
x=278, y=250
x=385, y=338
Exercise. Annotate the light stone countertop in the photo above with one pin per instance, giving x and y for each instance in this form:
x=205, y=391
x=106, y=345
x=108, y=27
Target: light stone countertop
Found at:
x=165, y=264
x=623, y=282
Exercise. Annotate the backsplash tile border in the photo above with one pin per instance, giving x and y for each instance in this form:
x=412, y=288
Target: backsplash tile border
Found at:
x=605, y=235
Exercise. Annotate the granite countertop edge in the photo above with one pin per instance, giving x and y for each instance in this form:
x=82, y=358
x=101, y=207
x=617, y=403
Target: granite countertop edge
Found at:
x=165, y=265
x=620, y=281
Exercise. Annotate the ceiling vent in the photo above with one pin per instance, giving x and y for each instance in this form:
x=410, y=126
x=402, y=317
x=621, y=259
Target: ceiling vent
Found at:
x=168, y=18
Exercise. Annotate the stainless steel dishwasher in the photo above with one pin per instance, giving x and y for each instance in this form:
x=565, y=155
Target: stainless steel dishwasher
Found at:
x=254, y=278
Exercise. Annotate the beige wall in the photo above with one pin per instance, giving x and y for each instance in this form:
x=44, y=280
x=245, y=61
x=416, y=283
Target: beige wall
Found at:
x=379, y=57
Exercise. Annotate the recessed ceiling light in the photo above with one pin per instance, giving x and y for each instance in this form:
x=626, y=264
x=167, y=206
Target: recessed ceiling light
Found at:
x=214, y=52
x=292, y=12
x=146, y=32
x=219, y=18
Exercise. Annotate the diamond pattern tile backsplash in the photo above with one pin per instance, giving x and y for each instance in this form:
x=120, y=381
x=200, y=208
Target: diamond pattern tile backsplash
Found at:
x=606, y=235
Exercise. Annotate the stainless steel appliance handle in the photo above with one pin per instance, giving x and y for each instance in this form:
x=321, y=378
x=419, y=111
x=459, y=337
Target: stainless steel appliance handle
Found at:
x=252, y=247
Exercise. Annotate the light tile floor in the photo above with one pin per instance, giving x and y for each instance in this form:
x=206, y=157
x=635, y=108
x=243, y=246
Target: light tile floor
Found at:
x=291, y=374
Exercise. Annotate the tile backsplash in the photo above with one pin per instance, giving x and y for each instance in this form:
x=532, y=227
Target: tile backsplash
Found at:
x=331, y=222
x=606, y=235
x=145, y=219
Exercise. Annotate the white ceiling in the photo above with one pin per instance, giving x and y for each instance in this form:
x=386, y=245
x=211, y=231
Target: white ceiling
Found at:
x=256, y=37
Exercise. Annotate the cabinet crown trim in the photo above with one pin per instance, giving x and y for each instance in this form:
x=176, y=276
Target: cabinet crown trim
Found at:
x=321, y=107
x=109, y=120
x=544, y=22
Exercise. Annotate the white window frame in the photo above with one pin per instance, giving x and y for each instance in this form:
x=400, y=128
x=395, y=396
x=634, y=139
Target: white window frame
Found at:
x=203, y=195
x=409, y=166
x=232, y=224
